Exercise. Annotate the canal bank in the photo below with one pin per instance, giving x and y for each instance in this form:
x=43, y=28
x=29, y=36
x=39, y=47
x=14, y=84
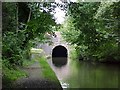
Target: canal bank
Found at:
x=39, y=75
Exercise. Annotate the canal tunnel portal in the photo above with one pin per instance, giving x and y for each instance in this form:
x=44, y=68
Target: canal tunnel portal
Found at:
x=59, y=55
x=59, y=51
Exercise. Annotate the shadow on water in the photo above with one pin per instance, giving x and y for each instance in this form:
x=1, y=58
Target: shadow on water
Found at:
x=80, y=74
x=59, y=61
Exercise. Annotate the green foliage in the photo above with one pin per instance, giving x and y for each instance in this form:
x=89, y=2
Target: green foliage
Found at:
x=22, y=33
x=10, y=74
x=73, y=53
x=9, y=17
x=93, y=28
x=12, y=51
x=69, y=32
x=24, y=25
x=13, y=74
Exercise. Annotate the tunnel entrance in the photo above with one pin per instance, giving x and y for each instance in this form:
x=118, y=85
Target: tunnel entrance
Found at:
x=59, y=56
x=59, y=51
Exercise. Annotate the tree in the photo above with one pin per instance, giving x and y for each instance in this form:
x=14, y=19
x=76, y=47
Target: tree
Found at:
x=94, y=27
x=22, y=24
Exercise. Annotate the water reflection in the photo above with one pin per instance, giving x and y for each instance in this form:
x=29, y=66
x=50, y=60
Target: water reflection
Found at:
x=77, y=74
x=91, y=75
x=59, y=62
x=61, y=71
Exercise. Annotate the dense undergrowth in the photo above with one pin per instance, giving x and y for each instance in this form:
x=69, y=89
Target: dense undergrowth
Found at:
x=10, y=74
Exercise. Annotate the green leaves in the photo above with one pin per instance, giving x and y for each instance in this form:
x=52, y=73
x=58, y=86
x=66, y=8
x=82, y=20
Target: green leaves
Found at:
x=33, y=24
x=92, y=27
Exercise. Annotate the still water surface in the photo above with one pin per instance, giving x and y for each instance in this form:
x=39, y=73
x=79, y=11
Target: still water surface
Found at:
x=76, y=74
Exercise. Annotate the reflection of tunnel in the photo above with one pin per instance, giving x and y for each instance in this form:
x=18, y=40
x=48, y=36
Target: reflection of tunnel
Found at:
x=59, y=55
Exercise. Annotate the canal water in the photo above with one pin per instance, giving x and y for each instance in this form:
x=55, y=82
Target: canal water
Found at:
x=76, y=74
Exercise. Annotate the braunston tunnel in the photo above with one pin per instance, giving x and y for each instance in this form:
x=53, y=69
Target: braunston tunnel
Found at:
x=59, y=56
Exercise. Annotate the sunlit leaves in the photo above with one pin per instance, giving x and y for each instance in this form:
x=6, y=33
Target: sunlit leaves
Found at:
x=69, y=32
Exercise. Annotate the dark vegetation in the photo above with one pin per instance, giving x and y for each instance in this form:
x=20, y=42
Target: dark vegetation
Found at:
x=23, y=25
x=93, y=28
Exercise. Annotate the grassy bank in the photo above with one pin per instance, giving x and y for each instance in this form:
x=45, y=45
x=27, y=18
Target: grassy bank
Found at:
x=48, y=73
x=12, y=74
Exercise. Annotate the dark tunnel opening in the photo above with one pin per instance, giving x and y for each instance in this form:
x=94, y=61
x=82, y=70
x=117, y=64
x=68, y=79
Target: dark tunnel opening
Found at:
x=59, y=56
x=59, y=51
